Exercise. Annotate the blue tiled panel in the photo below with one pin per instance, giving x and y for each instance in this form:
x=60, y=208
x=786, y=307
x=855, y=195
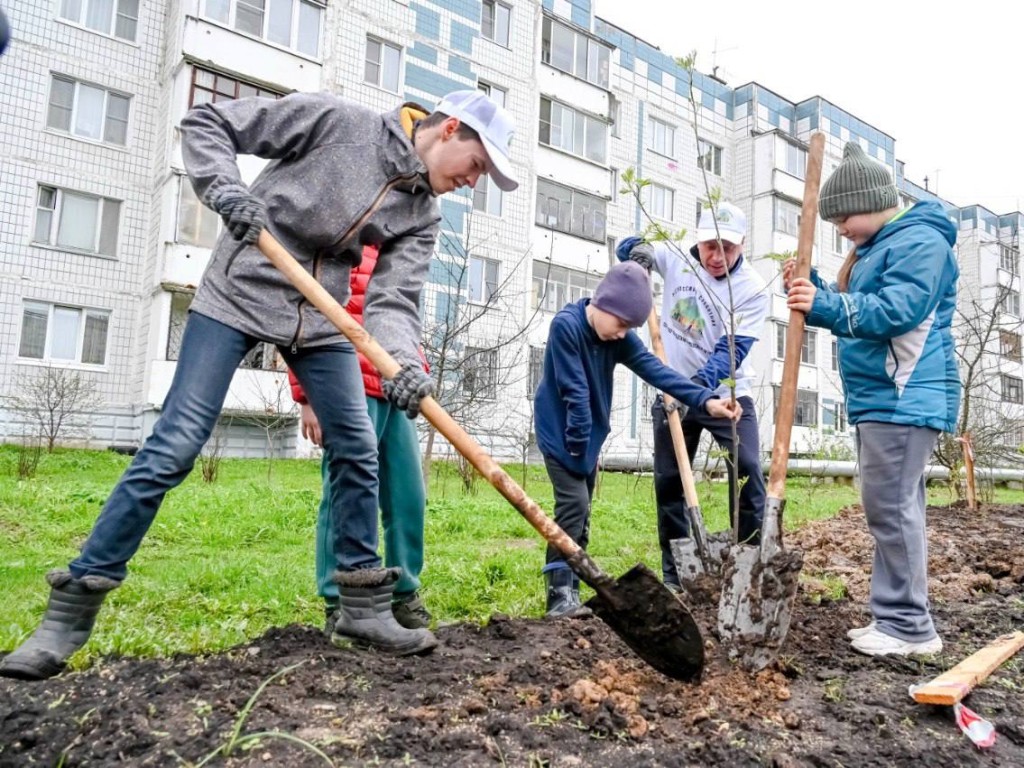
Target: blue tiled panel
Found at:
x=626, y=60
x=462, y=37
x=442, y=272
x=452, y=246
x=460, y=66
x=549, y=4
x=585, y=5
x=453, y=215
x=431, y=82
x=580, y=16
x=467, y=9
x=654, y=74
x=424, y=52
x=428, y=22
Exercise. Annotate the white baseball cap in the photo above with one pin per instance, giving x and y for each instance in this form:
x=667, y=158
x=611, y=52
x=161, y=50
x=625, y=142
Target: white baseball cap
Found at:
x=732, y=224
x=494, y=125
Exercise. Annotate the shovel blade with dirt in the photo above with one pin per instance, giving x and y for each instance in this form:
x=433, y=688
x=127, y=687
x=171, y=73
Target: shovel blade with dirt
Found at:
x=759, y=583
x=637, y=607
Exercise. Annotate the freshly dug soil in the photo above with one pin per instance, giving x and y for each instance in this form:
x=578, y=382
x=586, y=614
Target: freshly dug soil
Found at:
x=567, y=693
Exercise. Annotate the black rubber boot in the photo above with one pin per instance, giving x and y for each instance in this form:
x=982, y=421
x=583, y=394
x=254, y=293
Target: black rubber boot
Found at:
x=564, y=595
x=365, y=618
x=410, y=611
x=66, y=626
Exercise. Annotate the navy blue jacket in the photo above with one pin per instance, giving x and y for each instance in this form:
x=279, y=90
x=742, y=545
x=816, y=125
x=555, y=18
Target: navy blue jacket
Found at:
x=573, y=403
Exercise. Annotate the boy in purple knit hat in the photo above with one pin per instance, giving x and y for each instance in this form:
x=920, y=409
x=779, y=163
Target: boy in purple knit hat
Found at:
x=573, y=404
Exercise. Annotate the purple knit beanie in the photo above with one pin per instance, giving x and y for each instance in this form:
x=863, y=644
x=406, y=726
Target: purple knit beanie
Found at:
x=626, y=293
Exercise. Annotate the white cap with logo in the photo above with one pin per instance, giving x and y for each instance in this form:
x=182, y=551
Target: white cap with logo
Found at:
x=495, y=126
x=732, y=224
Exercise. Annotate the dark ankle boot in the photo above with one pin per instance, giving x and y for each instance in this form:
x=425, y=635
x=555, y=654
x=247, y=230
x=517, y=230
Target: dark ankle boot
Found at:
x=330, y=617
x=66, y=626
x=564, y=595
x=365, y=618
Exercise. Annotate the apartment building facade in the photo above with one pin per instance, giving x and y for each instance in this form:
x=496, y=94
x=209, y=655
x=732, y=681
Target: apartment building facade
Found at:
x=104, y=242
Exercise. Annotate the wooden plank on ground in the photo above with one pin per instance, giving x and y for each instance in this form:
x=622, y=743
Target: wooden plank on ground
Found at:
x=951, y=686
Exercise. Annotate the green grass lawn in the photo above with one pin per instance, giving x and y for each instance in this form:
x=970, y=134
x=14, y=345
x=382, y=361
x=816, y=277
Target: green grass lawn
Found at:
x=225, y=561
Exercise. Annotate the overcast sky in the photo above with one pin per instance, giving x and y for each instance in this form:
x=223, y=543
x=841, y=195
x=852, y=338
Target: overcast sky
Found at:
x=947, y=85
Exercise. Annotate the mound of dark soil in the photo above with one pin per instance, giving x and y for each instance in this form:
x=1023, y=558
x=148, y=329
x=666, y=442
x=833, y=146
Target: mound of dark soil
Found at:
x=568, y=693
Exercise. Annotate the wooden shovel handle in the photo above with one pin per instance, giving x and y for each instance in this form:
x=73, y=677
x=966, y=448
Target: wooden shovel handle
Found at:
x=429, y=407
x=795, y=332
x=675, y=425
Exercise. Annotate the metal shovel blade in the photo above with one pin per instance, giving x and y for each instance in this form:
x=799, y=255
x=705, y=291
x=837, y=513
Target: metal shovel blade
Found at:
x=758, y=589
x=653, y=622
x=701, y=582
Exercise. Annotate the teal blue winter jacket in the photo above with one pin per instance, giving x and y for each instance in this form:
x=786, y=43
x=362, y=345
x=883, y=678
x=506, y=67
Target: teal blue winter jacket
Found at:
x=894, y=323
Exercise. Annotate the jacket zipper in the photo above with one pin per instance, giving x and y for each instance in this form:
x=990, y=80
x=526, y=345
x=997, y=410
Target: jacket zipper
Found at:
x=363, y=218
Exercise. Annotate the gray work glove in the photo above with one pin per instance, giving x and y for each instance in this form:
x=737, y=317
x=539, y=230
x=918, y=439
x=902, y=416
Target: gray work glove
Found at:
x=410, y=385
x=244, y=215
x=643, y=254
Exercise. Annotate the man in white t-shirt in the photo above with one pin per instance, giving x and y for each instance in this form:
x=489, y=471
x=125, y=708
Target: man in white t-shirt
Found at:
x=695, y=328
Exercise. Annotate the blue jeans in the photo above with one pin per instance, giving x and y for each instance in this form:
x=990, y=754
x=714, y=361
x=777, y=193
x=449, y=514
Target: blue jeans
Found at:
x=210, y=354
x=403, y=500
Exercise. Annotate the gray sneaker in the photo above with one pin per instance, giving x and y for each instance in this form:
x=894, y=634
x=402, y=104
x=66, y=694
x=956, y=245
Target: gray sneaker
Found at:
x=410, y=612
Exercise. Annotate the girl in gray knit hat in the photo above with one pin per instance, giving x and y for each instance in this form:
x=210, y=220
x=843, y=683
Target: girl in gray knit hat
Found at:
x=891, y=309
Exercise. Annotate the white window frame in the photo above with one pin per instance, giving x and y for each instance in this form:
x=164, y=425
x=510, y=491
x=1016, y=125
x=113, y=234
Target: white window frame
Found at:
x=661, y=137
x=500, y=16
x=787, y=217
x=1009, y=259
x=535, y=369
x=709, y=157
x=226, y=12
x=48, y=219
x=839, y=243
x=795, y=161
x=660, y=201
x=555, y=286
x=382, y=64
x=487, y=197
x=835, y=355
x=197, y=224
x=565, y=128
x=808, y=344
x=480, y=372
x=51, y=310
x=109, y=120
x=498, y=94
x=120, y=16
x=583, y=208
x=588, y=60
x=1010, y=303
x=483, y=276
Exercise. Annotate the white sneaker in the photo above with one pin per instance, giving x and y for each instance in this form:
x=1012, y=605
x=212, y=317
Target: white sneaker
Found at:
x=856, y=632
x=876, y=643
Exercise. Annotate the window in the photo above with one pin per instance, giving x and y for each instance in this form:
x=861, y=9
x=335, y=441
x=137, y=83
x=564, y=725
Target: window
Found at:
x=795, y=161
x=197, y=224
x=483, y=279
x=383, y=64
x=614, y=113
x=77, y=221
x=487, y=198
x=660, y=201
x=709, y=157
x=480, y=373
x=498, y=95
x=294, y=24
x=700, y=210
x=87, y=111
x=210, y=86
x=495, y=21
x=833, y=415
x=806, y=411
x=571, y=211
x=839, y=243
x=1013, y=389
x=59, y=333
x=808, y=349
x=574, y=52
x=1010, y=303
x=1009, y=345
x=180, y=302
x=554, y=287
x=787, y=217
x=835, y=354
x=119, y=18
x=1009, y=259
x=661, y=137
x=536, y=370
x=565, y=128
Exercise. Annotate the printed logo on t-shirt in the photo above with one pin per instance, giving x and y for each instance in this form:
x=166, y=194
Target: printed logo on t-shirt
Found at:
x=687, y=313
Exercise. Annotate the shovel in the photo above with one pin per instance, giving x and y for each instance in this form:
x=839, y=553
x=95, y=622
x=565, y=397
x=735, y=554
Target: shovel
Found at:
x=759, y=583
x=693, y=556
x=637, y=606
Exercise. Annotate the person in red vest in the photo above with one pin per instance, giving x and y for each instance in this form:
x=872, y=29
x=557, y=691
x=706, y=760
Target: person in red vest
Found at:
x=402, y=495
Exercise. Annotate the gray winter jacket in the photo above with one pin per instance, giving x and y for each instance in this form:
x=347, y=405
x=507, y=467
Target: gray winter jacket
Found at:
x=341, y=176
